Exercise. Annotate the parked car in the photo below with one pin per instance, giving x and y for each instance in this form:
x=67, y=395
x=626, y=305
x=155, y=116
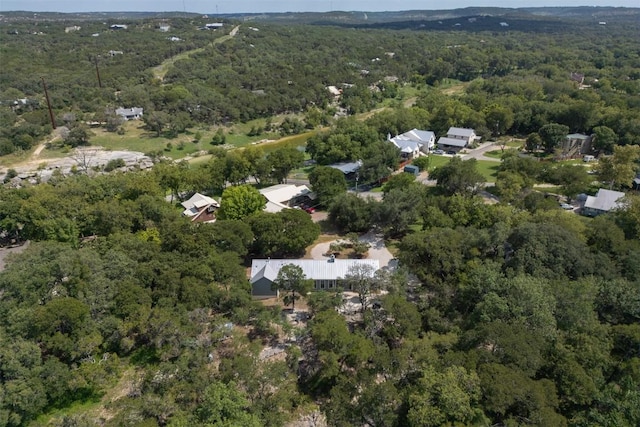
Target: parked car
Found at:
x=453, y=153
x=309, y=209
x=566, y=206
x=438, y=151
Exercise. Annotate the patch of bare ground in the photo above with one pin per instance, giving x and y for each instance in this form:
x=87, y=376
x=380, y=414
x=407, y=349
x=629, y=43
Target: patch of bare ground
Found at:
x=313, y=419
x=6, y=252
x=455, y=89
x=125, y=387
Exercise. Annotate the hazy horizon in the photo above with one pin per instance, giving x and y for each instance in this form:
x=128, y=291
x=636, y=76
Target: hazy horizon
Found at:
x=252, y=6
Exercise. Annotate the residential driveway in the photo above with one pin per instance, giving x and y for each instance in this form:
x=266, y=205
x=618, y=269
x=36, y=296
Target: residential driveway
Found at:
x=478, y=153
x=377, y=249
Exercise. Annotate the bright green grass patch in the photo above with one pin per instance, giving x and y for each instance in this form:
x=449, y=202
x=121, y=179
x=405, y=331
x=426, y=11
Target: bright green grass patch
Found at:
x=488, y=169
x=77, y=408
x=437, y=161
x=496, y=154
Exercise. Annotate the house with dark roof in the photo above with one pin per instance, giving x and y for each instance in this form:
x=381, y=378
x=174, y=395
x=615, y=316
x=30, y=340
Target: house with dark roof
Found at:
x=458, y=138
x=326, y=274
x=604, y=201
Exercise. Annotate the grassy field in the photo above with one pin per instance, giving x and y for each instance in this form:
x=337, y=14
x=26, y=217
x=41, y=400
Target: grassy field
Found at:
x=488, y=169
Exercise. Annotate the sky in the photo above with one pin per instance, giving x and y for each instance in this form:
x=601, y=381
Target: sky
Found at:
x=255, y=6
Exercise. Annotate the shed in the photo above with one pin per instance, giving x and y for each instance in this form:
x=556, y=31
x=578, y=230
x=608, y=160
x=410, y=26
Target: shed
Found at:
x=413, y=169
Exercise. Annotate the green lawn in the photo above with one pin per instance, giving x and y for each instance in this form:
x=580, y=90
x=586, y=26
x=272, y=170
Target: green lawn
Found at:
x=487, y=168
x=496, y=154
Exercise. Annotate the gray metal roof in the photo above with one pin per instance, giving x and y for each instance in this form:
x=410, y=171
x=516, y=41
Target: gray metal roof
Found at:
x=405, y=145
x=461, y=132
x=313, y=269
x=604, y=200
x=347, y=168
x=452, y=142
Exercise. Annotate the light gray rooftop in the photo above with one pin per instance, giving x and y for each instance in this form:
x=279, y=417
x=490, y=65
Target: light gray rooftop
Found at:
x=347, y=168
x=452, y=142
x=461, y=132
x=313, y=269
x=604, y=200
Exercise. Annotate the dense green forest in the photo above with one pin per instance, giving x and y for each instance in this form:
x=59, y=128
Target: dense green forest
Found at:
x=268, y=70
x=121, y=312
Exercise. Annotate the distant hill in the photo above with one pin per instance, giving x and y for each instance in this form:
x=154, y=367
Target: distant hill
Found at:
x=583, y=13
x=89, y=16
x=351, y=18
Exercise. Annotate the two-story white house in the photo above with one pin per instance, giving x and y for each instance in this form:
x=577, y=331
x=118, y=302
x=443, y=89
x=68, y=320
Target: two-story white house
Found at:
x=458, y=138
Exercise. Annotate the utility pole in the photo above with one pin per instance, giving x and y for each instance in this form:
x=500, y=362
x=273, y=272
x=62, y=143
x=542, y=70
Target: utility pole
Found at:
x=98, y=73
x=46, y=95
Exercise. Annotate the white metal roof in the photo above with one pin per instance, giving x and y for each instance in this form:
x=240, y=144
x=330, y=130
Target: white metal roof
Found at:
x=282, y=193
x=197, y=202
x=312, y=269
x=405, y=145
x=418, y=135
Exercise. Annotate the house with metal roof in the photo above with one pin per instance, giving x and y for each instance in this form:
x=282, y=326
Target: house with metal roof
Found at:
x=326, y=274
x=347, y=168
x=134, y=113
x=285, y=196
x=200, y=208
x=458, y=137
x=604, y=201
x=413, y=142
x=576, y=144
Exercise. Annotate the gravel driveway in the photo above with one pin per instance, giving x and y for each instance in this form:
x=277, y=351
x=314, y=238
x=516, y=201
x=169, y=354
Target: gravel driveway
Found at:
x=377, y=250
